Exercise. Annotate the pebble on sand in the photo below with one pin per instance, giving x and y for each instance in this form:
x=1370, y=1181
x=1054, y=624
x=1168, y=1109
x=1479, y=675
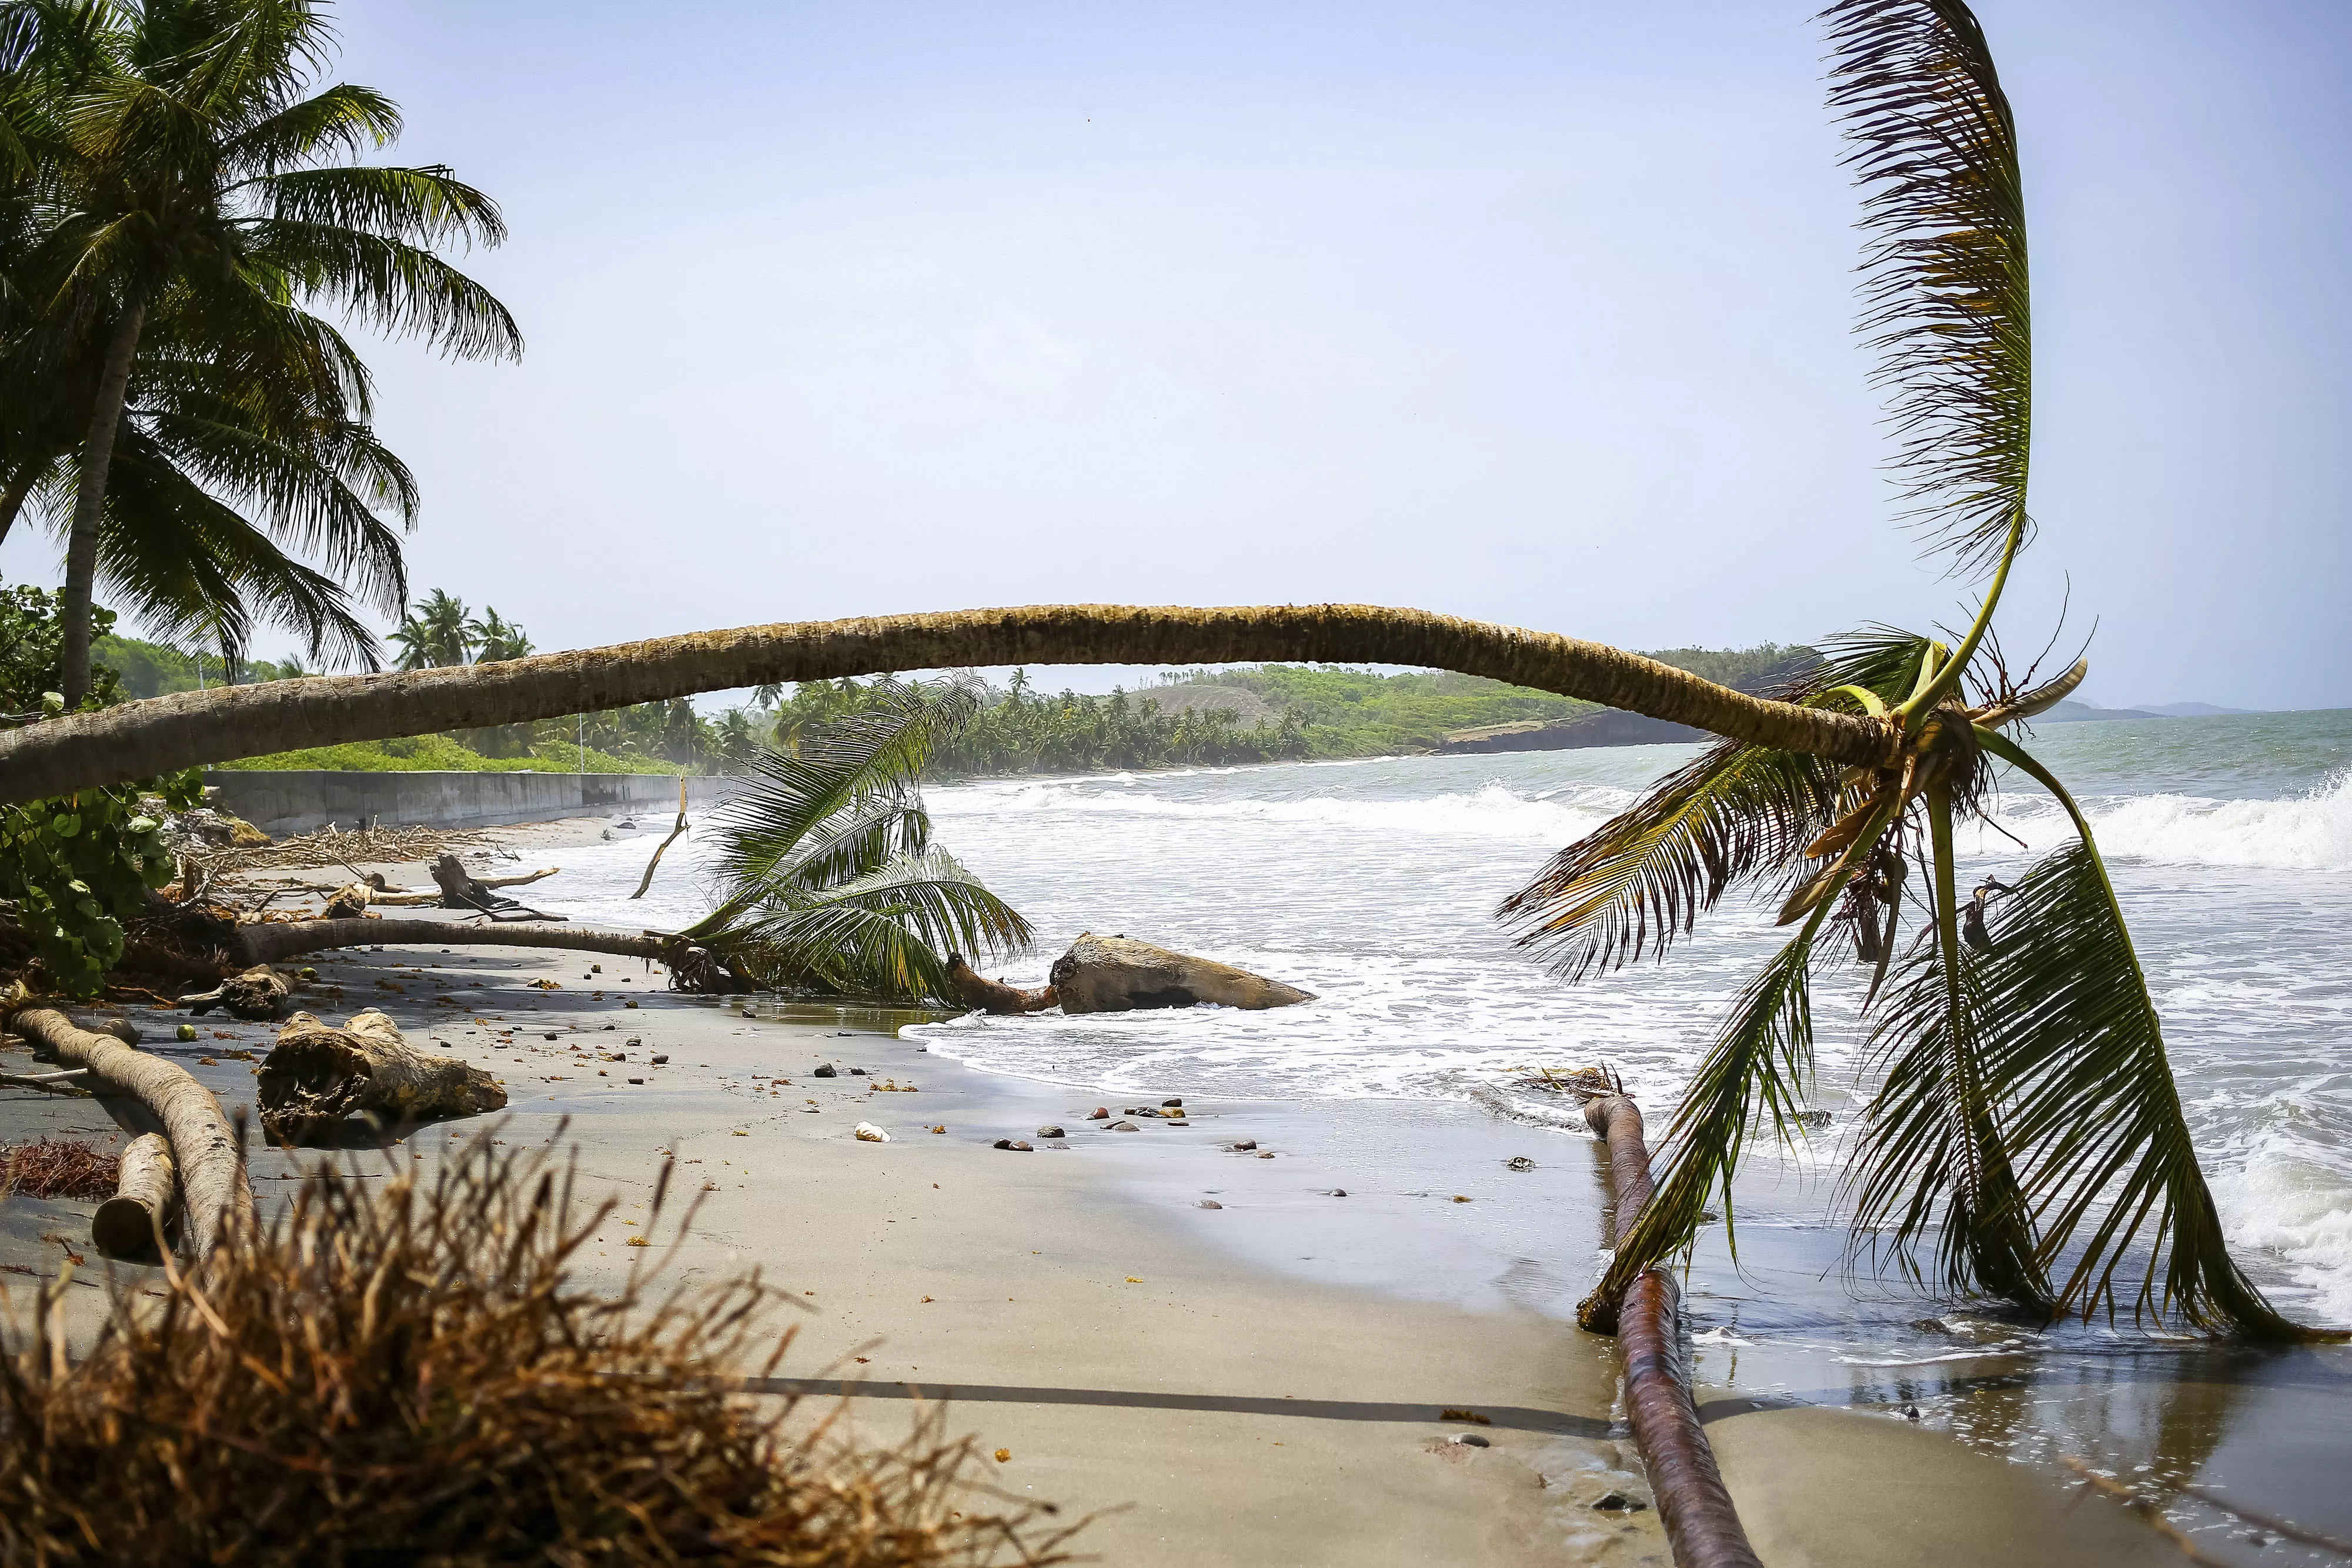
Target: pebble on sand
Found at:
x=868, y=1132
x=1122, y=1127
x=1208, y=1203
x=1051, y=1133
x=1247, y=1146
x=1015, y=1145
x=1099, y=1113
x=825, y=1070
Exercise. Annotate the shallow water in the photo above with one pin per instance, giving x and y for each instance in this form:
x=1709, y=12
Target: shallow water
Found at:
x=1373, y=884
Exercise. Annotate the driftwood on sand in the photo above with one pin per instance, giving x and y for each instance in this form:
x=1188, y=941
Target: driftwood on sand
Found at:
x=977, y=990
x=1119, y=974
x=255, y=996
x=1694, y=1504
x=646, y=880
x=146, y=1199
x=211, y=1166
x=460, y=889
x=318, y=1076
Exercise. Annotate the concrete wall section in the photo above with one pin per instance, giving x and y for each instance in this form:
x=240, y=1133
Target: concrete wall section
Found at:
x=290, y=801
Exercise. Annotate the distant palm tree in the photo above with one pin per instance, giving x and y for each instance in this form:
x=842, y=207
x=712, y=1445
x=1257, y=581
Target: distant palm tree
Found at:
x=435, y=634
x=829, y=878
x=189, y=183
x=494, y=638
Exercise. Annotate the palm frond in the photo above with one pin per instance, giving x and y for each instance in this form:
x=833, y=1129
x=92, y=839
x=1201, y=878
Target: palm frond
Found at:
x=1945, y=300
x=1644, y=877
x=425, y=205
x=857, y=841
x=394, y=286
x=1935, y=1153
x=885, y=935
x=2079, y=1049
x=1764, y=1051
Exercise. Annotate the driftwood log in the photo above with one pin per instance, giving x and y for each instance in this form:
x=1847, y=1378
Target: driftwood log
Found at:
x=693, y=967
x=348, y=901
x=1119, y=974
x=255, y=996
x=211, y=1166
x=146, y=1199
x=1694, y=1504
x=318, y=1076
x=646, y=880
x=994, y=996
x=460, y=890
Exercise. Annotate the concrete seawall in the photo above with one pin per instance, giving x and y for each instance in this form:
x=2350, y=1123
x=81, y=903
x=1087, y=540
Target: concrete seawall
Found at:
x=290, y=801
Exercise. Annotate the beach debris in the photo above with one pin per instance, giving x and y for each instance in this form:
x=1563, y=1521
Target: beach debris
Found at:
x=940, y=1128
x=58, y=1167
x=187, y=1032
x=1469, y=1441
x=748, y=1012
x=460, y=890
x=146, y=1199
x=318, y=1075
x=1519, y=1163
x=857, y=1072
x=1017, y=1145
x=1208, y=1203
x=825, y=1070
x=1176, y=1103
x=255, y=996
x=1583, y=1082
x=1812, y=1118
x=636, y=1080
x=658, y=1060
x=1339, y=1192
x=348, y=902
x=1246, y=1146
x=1122, y=1127
x=978, y=991
x=1051, y=1133
x=1265, y=1154
x=1459, y=1199
x=1139, y=1111
x=1618, y=1502
x=868, y=1132
x=1099, y=1113
x=1001, y=1454
x=1118, y=973
x=1455, y=1413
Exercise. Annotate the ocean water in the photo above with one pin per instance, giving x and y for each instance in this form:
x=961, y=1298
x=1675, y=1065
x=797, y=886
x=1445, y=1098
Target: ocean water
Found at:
x=1373, y=884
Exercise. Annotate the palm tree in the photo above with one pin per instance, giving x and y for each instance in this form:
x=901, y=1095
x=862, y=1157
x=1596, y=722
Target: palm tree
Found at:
x=494, y=638
x=2025, y=1120
x=189, y=184
x=831, y=882
x=436, y=633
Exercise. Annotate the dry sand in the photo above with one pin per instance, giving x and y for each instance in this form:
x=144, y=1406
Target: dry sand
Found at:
x=1137, y=1355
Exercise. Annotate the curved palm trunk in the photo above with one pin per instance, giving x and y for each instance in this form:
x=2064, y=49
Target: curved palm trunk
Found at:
x=89, y=502
x=191, y=727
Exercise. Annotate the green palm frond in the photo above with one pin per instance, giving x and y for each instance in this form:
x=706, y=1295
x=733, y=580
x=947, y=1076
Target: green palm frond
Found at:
x=2079, y=1049
x=1644, y=877
x=885, y=935
x=341, y=119
x=391, y=285
x=425, y=205
x=857, y=841
x=1763, y=1052
x=1945, y=300
x=1935, y=1153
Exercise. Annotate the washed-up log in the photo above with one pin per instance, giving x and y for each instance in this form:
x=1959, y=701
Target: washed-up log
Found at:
x=693, y=967
x=212, y=1170
x=348, y=901
x=994, y=996
x=1119, y=974
x=255, y=996
x=1694, y=1504
x=460, y=890
x=318, y=1076
x=646, y=880
x=146, y=1197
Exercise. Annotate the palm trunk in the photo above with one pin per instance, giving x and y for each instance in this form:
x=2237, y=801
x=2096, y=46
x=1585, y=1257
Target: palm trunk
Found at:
x=89, y=502
x=190, y=727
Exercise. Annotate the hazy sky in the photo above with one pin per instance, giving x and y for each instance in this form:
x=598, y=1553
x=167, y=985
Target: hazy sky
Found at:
x=1535, y=313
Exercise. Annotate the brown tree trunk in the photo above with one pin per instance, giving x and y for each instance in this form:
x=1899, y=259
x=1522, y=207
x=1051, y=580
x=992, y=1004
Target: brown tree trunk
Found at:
x=316, y=1077
x=89, y=504
x=146, y=1196
x=212, y=1166
x=161, y=734
x=1694, y=1504
x=270, y=943
x=255, y=996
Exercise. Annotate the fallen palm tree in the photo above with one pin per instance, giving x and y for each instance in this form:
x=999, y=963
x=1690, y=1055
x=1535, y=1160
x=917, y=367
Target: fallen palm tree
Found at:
x=318, y=1076
x=211, y=1164
x=411, y=1373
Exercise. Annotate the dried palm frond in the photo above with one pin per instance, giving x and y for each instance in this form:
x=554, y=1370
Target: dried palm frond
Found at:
x=410, y=1375
x=1946, y=299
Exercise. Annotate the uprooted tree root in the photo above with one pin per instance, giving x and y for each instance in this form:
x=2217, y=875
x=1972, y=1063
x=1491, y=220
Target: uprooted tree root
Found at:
x=409, y=1375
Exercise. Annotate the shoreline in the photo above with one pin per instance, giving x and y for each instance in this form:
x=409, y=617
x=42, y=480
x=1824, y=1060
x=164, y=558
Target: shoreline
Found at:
x=1266, y=1381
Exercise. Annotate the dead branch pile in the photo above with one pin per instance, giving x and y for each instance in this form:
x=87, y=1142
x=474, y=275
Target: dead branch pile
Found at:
x=332, y=846
x=58, y=1167
x=409, y=1376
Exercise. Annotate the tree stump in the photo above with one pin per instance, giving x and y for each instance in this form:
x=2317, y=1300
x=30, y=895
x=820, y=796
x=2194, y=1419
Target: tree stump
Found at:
x=994, y=996
x=146, y=1198
x=348, y=902
x=459, y=889
x=255, y=996
x=318, y=1076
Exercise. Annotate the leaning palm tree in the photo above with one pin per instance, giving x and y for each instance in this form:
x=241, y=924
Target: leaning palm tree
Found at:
x=829, y=880
x=2024, y=1136
x=194, y=175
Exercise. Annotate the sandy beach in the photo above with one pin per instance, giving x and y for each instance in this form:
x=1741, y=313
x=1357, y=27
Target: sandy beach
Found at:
x=1213, y=1350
